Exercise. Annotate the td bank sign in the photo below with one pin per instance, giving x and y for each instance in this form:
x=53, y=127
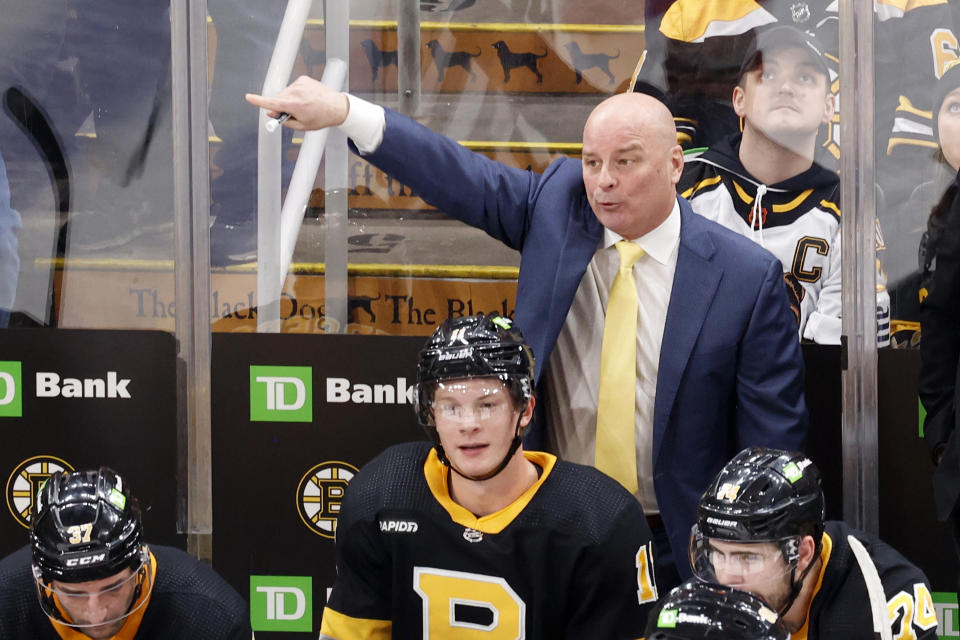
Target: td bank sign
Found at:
x=281, y=603
x=281, y=394
x=50, y=384
x=285, y=394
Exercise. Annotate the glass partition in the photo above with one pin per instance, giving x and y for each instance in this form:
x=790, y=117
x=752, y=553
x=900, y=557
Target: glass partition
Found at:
x=85, y=136
x=410, y=265
x=87, y=156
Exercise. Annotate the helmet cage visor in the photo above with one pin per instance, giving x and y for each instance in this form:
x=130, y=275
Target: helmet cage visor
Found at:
x=506, y=392
x=460, y=404
x=69, y=605
x=738, y=563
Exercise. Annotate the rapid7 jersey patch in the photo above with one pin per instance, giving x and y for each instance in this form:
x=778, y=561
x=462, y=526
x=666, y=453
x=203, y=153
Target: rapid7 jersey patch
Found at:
x=910, y=612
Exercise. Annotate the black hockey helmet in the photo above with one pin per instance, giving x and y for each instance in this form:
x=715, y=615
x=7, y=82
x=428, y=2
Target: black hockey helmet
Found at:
x=763, y=495
x=480, y=346
x=85, y=526
x=702, y=611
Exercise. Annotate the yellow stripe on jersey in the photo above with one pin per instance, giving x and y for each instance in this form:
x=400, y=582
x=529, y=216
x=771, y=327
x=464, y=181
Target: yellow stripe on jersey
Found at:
x=904, y=105
x=793, y=204
x=703, y=184
x=910, y=5
x=896, y=142
x=825, y=552
x=777, y=208
x=695, y=20
x=826, y=204
x=342, y=627
x=437, y=474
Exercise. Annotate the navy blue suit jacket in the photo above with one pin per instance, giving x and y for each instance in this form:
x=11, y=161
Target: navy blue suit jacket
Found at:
x=731, y=370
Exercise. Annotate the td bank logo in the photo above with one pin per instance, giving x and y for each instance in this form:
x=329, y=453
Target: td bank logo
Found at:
x=281, y=394
x=281, y=603
x=945, y=604
x=11, y=395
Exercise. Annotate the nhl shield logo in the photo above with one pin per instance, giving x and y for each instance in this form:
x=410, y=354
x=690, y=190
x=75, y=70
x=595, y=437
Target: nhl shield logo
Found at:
x=24, y=484
x=320, y=493
x=800, y=12
x=472, y=535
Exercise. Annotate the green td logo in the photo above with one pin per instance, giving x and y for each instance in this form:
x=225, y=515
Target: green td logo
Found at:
x=11, y=395
x=945, y=605
x=281, y=603
x=668, y=619
x=281, y=394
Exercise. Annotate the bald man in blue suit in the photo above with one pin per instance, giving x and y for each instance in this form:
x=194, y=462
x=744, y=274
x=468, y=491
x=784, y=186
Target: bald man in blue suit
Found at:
x=727, y=364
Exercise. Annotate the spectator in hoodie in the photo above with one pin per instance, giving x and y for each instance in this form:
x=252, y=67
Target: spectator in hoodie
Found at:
x=765, y=183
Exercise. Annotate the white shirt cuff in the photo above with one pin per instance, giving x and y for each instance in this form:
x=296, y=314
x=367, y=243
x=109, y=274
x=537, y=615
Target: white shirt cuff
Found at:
x=364, y=124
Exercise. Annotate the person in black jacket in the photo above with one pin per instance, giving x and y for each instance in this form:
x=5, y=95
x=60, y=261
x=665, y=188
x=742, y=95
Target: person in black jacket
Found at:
x=760, y=527
x=87, y=574
x=940, y=312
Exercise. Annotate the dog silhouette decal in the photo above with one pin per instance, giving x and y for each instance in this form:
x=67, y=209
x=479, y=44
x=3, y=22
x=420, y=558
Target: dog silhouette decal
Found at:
x=444, y=59
x=378, y=58
x=513, y=60
x=582, y=61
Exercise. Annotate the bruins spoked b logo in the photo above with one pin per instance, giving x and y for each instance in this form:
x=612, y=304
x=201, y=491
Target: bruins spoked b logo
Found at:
x=24, y=483
x=320, y=493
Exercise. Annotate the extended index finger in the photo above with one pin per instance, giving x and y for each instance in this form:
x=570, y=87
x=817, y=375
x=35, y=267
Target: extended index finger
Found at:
x=272, y=105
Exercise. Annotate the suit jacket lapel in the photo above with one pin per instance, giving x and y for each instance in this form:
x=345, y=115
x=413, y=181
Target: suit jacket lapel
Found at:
x=695, y=284
x=581, y=239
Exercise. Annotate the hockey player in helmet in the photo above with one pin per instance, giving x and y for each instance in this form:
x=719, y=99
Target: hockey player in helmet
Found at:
x=703, y=611
x=487, y=374
x=760, y=527
x=87, y=573
x=470, y=531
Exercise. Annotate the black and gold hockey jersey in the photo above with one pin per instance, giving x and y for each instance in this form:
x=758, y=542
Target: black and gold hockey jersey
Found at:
x=840, y=607
x=797, y=220
x=189, y=601
x=570, y=558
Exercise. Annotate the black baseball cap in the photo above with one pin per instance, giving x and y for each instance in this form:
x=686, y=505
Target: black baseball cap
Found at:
x=783, y=37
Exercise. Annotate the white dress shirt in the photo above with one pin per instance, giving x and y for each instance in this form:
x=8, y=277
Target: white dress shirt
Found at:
x=365, y=124
x=572, y=377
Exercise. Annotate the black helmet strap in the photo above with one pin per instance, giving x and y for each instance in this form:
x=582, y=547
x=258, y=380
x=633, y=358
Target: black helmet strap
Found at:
x=796, y=584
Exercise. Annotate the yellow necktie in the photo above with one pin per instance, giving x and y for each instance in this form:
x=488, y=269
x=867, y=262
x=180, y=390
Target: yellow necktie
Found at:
x=616, y=405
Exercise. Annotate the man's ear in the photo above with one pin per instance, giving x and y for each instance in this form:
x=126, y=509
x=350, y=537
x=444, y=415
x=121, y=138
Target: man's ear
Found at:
x=676, y=164
x=738, y=99
x=527, y=415
x=829, y=105
x=806, y=553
